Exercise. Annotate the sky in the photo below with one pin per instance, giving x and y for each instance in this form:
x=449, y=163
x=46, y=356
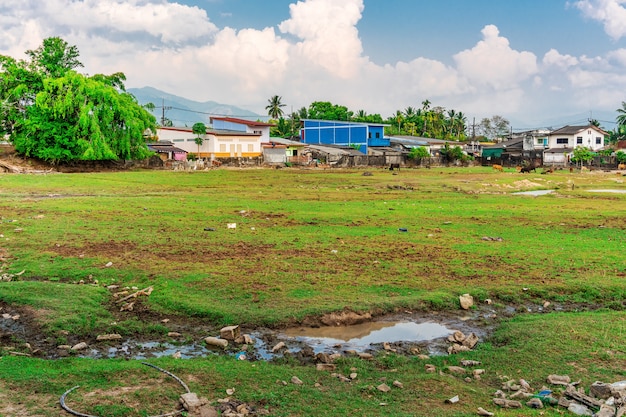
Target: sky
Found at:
x=538, y=63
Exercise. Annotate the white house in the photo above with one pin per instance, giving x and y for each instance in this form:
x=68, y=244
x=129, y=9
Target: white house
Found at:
x=589, y=136
x=242, y=125
x=215, y=143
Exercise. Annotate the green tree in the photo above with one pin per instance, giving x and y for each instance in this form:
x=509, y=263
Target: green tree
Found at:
x=53, y=113
x=325, y=110
x=199, y=129
x=621, y=157
x=621, y=117
x=582, y=155
x=418, y=153
x=494, y=128
x=274, y=109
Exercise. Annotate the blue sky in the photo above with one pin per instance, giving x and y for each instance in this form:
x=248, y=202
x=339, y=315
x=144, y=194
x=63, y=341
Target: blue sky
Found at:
x=538, y=63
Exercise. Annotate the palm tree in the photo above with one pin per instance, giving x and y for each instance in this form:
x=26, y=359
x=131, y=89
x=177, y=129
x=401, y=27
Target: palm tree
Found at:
x=621, y=119
x=409, y=112
x=274, y=107
x=426, y=105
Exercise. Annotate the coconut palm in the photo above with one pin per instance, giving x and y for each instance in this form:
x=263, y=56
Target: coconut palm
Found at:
x=274, y=107
x=621, y=118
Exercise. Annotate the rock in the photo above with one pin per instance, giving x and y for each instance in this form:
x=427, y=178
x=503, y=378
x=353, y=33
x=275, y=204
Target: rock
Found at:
x=190, y=402
x=398, y=384
x=606, y=411
x=230, y=391
x=64, y=347
x=579, y=409
x=482, y=412
x=488, y=301
x=177, y=355
x=525, y=385
x=430, y=368
x=456, y=369
x=469, y=363
x=467, y=301
x=423, y=357
x=173, y=334
x=112, y=336
x=108, y=264
x=471, y=341
x=456, y=348
x=478, y=372
x=366, y=356
x=453, y=400
x=80, y=346
x=214, y=341
x=534, y=403
x=353, y=375
x=559, y=379
x=278, y=347
x=230, y=332
x=600, y=390
x=297, y=381
x=326, y=367
x=503, y=402
x=383, y=388
x=457, y=336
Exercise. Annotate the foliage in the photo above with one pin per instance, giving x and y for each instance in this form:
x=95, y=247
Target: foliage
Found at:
x=621, y=157
x=285, y=128
x=199, y=129
x=583, y=155
x=274, y=107
x=496, y=127
x=53, y=113
x=325, y=110
x=419, y=152
x=450, y=154
x=427, y=121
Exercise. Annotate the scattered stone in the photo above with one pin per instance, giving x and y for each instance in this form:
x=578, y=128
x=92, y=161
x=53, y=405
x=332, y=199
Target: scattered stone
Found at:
x=477, y=373
x=383, y=388
x=326, y=367
x=503, y=402
x=423, y=357
x=579, y=409
x=453, y=400
x=353, y=375
x=456, y=369
x=165, y=321
x=297, y=381
x=606, y=411
x=546, y=304
x=108, y=264
x=190, y=402
x=214, y=341
x=80, y=346
x=398, y=384
x=174, y=334
x=483, y=412
x=230, y=391
x=366, y=356
x=559, y=379
x=177, y=355
x=430, y=368
x=64, y=347
x=600, y=390
x=230, y=332
x=525, y=385
x=580, y=397
x=471, y=341
x=457, y=336
x=467, y=362
x=456, y=348
x=278, y=347
x=534, y=403
x=488, y=301
x=112, y=336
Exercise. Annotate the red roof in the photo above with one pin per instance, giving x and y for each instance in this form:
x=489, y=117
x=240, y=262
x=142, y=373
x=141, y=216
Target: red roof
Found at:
x=241, y=121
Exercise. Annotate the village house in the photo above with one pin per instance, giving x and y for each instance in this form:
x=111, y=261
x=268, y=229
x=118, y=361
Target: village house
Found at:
x=242, y=125
x=216, y=143
x=355, y=135
x=563, y=141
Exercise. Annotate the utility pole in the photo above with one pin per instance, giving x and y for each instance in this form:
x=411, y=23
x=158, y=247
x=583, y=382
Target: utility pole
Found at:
x=163, y=108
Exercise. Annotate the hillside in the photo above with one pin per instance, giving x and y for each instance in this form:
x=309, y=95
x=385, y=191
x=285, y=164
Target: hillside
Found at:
x=184, y=112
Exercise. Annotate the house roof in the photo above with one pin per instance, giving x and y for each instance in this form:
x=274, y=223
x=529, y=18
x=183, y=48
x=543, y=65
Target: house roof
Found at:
x=559, y=150
x=250, y=123
x=216, y=132
x=346, y=122
x=572, y=130
x=287, y=142
x=164, y=146
x=507, y=144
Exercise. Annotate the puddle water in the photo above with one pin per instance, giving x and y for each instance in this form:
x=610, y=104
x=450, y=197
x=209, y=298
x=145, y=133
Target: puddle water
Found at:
x=608, y=191
x=362, y=336
x=534, y=193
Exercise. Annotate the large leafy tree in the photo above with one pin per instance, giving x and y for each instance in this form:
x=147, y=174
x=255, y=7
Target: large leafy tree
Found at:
x=51, y=112
x=325, y=110
x=274, y=107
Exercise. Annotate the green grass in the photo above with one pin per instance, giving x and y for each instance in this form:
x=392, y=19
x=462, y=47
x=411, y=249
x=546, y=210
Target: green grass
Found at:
x=310, y=242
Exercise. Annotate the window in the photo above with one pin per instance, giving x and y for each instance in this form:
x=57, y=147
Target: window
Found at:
x=377, y=135
x=562, y=141
x=369, y=135
x=579, y=140
x=598, y=141
x=258, y=132
x=222, y=147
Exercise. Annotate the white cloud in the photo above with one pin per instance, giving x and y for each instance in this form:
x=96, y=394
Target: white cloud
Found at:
x=611, y=13
x=492, y=62
x=554, y=58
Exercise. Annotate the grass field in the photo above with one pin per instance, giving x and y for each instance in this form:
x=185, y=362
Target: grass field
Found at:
x=306, y=243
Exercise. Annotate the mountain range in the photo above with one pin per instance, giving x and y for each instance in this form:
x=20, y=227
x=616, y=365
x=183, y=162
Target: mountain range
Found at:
x=184, y=112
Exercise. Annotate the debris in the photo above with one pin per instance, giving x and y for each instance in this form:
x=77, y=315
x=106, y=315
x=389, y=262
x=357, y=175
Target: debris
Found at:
x=173, y=334
x=456, y=369
x=214, y=341
x=396, y=384
x=108, y=264
x=278, y=347
x=467, y=301
x=503, y=402
x=534, y=403
x=326, y=367
x=113, y=336
x=231, y=225
x=383, y=388
x=297, y=381
x=453, y=400
x=467, y=362
x=559, y=379
x=403, y=229
x=483, y=412
x=146, y=291
x=230, y=391
x=80, y=346
x=229, y=332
